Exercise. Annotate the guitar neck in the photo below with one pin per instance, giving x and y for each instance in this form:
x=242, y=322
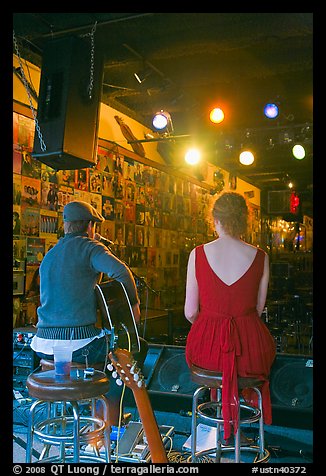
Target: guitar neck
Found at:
x=156, y=447
x=123, y=362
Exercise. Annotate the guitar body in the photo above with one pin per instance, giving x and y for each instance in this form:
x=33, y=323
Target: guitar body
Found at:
x=116, y=313
x=126, y=367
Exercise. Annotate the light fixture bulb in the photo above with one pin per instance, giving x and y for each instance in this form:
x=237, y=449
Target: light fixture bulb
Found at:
x=216, y=115
x=161, y=120
x=246, y=157
x=298, y=152
x=192, y=156
x=271, y=110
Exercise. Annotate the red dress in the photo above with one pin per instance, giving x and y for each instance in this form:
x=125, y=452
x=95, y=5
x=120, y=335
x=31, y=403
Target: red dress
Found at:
x=229, y=336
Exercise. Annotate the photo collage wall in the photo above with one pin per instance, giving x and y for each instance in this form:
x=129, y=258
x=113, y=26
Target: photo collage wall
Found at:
x=153, y=218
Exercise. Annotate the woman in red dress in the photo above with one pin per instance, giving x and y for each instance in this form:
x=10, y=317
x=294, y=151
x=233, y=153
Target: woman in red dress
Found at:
x=227, y=282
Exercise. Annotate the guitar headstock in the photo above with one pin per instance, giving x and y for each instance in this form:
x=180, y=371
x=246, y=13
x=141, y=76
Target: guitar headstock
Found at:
x=126, y=367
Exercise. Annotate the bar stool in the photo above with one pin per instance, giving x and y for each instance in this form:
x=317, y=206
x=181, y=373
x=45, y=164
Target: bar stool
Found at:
x=207, y=380
x=64, y=426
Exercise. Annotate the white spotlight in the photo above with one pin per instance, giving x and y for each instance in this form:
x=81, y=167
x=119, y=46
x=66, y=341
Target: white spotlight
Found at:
x=192, y=156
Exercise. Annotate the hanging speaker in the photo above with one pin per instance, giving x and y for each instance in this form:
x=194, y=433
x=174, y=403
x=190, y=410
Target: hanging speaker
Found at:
x=68, y=104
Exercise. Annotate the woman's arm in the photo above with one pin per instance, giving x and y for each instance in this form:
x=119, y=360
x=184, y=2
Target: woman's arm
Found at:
x=263, y=287
x=191, y=307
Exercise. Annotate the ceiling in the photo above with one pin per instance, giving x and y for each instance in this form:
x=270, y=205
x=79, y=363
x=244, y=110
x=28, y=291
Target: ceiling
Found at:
x=239, y=61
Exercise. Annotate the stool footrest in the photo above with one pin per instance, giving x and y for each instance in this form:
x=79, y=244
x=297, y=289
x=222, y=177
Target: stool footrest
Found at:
x=62, y=428
x=254, y=417
x=252, y=449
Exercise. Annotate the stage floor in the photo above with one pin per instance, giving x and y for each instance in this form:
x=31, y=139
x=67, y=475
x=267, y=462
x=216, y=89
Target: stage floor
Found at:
x=286, y=445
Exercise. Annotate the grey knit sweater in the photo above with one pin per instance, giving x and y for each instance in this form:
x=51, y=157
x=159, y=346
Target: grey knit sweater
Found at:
x=68, y=275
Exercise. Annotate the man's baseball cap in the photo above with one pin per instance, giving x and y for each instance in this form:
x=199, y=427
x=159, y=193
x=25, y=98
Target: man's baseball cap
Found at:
x=79, y=210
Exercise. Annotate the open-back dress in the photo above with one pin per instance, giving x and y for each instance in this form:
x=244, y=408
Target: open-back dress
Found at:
x=229, y=336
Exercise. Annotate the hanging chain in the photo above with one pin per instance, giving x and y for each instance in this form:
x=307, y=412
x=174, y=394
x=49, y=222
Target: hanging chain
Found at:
x=91, y=74
x=37, y=126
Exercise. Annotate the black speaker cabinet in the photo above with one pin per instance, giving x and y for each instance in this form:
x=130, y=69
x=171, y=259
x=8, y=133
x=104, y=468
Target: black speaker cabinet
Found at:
x=67, y=114
x=291, y=387
x=170, y=387
x=168, y=379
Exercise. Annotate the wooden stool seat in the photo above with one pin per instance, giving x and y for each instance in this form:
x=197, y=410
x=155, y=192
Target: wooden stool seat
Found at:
x=66, y=425
x=213, y=379
x=49, y=387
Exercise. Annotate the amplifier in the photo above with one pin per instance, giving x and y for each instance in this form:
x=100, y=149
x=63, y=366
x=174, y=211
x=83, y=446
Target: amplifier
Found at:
x=25, y=359
x=22, y=336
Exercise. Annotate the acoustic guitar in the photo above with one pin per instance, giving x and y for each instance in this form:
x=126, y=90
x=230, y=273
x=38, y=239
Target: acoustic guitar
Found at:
x=126, y=367
x=116, y=313
x=117, y=316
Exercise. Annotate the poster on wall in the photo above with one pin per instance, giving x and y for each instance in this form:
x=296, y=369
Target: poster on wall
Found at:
x=95, y=181
x=17, y=189
x=49, y=196
x=16, y=220
x=48, y=223
x=108, y=207
x=107, y=229
x=82, y=179
x=30, y=220
x=65, y=195
x=30, y=166
x=17, y=160
x=48, y=174
x=35, y=250
x=96, y=201
x=31, y=191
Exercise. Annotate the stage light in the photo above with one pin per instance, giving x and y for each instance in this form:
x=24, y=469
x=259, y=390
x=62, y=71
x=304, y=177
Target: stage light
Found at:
x=162, y=120
x=216, y=115
x=271, y=110
x=246, y=157
x=192, y=156
x=298, y=152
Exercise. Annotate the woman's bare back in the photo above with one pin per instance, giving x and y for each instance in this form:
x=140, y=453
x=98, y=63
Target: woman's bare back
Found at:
x=229, y=258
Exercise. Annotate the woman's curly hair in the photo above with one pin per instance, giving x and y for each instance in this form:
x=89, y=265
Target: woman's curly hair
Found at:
x=232, y=211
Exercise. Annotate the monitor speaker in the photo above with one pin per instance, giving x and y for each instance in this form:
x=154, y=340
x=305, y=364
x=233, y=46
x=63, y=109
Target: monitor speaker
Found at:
x=291, y=381
x=68, y=105
x=168, y=378
x=291, y=387
x=170, y=372
x=291, y=384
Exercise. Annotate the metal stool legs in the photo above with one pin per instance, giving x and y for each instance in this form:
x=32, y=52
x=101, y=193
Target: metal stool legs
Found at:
x=54, y=431
x=256, y=416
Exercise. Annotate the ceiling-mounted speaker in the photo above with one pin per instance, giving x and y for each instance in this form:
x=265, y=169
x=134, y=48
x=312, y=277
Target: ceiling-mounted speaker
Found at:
x=68, y=104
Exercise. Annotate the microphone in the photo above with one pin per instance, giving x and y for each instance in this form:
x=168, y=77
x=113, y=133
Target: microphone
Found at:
x=103, y=240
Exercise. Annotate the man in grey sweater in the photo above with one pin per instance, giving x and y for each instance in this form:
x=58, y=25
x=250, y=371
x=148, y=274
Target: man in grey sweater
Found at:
x=68, y=307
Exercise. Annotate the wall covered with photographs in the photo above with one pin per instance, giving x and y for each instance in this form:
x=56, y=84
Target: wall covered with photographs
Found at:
x=153, y=218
